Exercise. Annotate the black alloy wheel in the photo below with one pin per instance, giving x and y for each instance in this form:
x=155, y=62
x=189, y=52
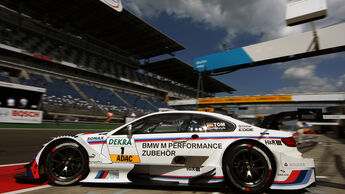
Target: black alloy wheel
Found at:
x=250, y=168
x=66, y=164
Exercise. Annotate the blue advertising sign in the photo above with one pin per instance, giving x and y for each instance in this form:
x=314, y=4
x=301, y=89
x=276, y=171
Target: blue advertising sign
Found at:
x=220, y=60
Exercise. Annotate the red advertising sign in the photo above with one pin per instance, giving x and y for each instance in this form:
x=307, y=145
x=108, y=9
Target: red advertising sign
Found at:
x=11, y=115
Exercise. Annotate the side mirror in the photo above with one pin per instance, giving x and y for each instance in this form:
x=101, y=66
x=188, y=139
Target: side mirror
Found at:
x=129, y=129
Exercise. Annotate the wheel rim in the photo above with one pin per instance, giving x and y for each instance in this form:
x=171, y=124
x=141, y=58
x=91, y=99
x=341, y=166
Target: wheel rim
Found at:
x=249, y=167
x=66, y=163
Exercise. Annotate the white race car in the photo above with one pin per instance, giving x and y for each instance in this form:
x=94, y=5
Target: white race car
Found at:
x=185, y=147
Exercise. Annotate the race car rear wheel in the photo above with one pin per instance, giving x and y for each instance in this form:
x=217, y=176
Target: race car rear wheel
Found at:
x=249, y=167
x=66, y=164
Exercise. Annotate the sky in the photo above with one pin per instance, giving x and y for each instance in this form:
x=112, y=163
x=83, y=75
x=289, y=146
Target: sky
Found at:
x=203, y=26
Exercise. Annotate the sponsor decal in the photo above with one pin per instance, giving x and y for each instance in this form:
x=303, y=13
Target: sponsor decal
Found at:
x=209, y=125
x=182, y=145
x=273, y=142
x=296, y=164
x=16, y=113
x=96, y=140
x=244, y=126
x=220, y=124
x=159, y=153
x=119, y=142
x=296, y=177
x=168, y=149
x=282, y=173
x=125, y=158
x=216, y=126
x=113, y=174
x=102, y=174
x=245, y=129
x=194, y=169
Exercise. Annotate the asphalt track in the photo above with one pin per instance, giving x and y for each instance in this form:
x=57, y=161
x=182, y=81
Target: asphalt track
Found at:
x=19, y=146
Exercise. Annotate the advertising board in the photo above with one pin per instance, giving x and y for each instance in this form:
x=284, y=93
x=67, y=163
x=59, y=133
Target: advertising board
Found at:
x=301, y=11
x=249, y=99
x=12, y=115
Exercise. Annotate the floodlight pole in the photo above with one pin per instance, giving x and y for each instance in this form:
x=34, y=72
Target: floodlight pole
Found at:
x=199, y=88
x=316, y=38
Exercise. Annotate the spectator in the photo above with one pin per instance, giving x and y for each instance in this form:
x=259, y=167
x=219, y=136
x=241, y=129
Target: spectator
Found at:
x=11, y=102
x=23, y=102
x=133, y=115
x=109, y=115
x=56, y=118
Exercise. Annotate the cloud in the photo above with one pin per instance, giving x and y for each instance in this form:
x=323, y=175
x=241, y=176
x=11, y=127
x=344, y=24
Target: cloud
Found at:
x=262, y=18
x=265, y=18
x=307, y=81
x=303, y=74
x=299, y=73
x=254, y=17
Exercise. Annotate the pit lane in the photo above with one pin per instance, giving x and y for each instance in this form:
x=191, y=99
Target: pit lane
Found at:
x=19, y=146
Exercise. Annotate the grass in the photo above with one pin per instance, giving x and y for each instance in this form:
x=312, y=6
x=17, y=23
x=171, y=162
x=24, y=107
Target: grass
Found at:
x=55, y=126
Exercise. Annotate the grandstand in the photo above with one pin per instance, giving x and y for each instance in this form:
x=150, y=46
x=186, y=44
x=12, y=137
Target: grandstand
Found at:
x=92, y=59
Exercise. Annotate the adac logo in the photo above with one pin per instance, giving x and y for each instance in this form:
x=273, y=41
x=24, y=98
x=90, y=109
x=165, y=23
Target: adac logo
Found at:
x=115, y=4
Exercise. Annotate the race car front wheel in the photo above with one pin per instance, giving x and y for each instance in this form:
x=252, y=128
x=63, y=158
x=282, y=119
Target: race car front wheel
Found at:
x=66, y=164
x=249, y=167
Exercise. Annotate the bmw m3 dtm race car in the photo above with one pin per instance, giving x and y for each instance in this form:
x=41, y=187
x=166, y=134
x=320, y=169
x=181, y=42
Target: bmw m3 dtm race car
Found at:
x=184, y=147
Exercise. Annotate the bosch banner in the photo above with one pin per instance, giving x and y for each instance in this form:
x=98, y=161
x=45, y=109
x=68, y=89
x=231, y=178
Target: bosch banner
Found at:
x=11, y=115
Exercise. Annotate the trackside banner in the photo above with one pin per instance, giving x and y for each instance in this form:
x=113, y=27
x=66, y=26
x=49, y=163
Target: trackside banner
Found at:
x=249, y=99
x=115, y=4
x=11, y=115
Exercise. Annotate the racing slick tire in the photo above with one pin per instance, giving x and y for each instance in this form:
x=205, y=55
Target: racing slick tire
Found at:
x=66, y=164
x=249, y=167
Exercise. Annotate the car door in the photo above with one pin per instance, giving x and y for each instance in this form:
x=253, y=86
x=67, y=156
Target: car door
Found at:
x=156, y=139
x=159, y=139
x=207, y=134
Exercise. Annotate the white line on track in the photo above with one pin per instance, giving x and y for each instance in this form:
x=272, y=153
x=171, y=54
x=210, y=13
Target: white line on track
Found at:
x=29, y=189
x=322, y=177
x=123, y=191
x=4, y=165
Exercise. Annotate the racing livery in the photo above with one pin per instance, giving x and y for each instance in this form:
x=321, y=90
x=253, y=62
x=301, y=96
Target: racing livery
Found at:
x=185, y=147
